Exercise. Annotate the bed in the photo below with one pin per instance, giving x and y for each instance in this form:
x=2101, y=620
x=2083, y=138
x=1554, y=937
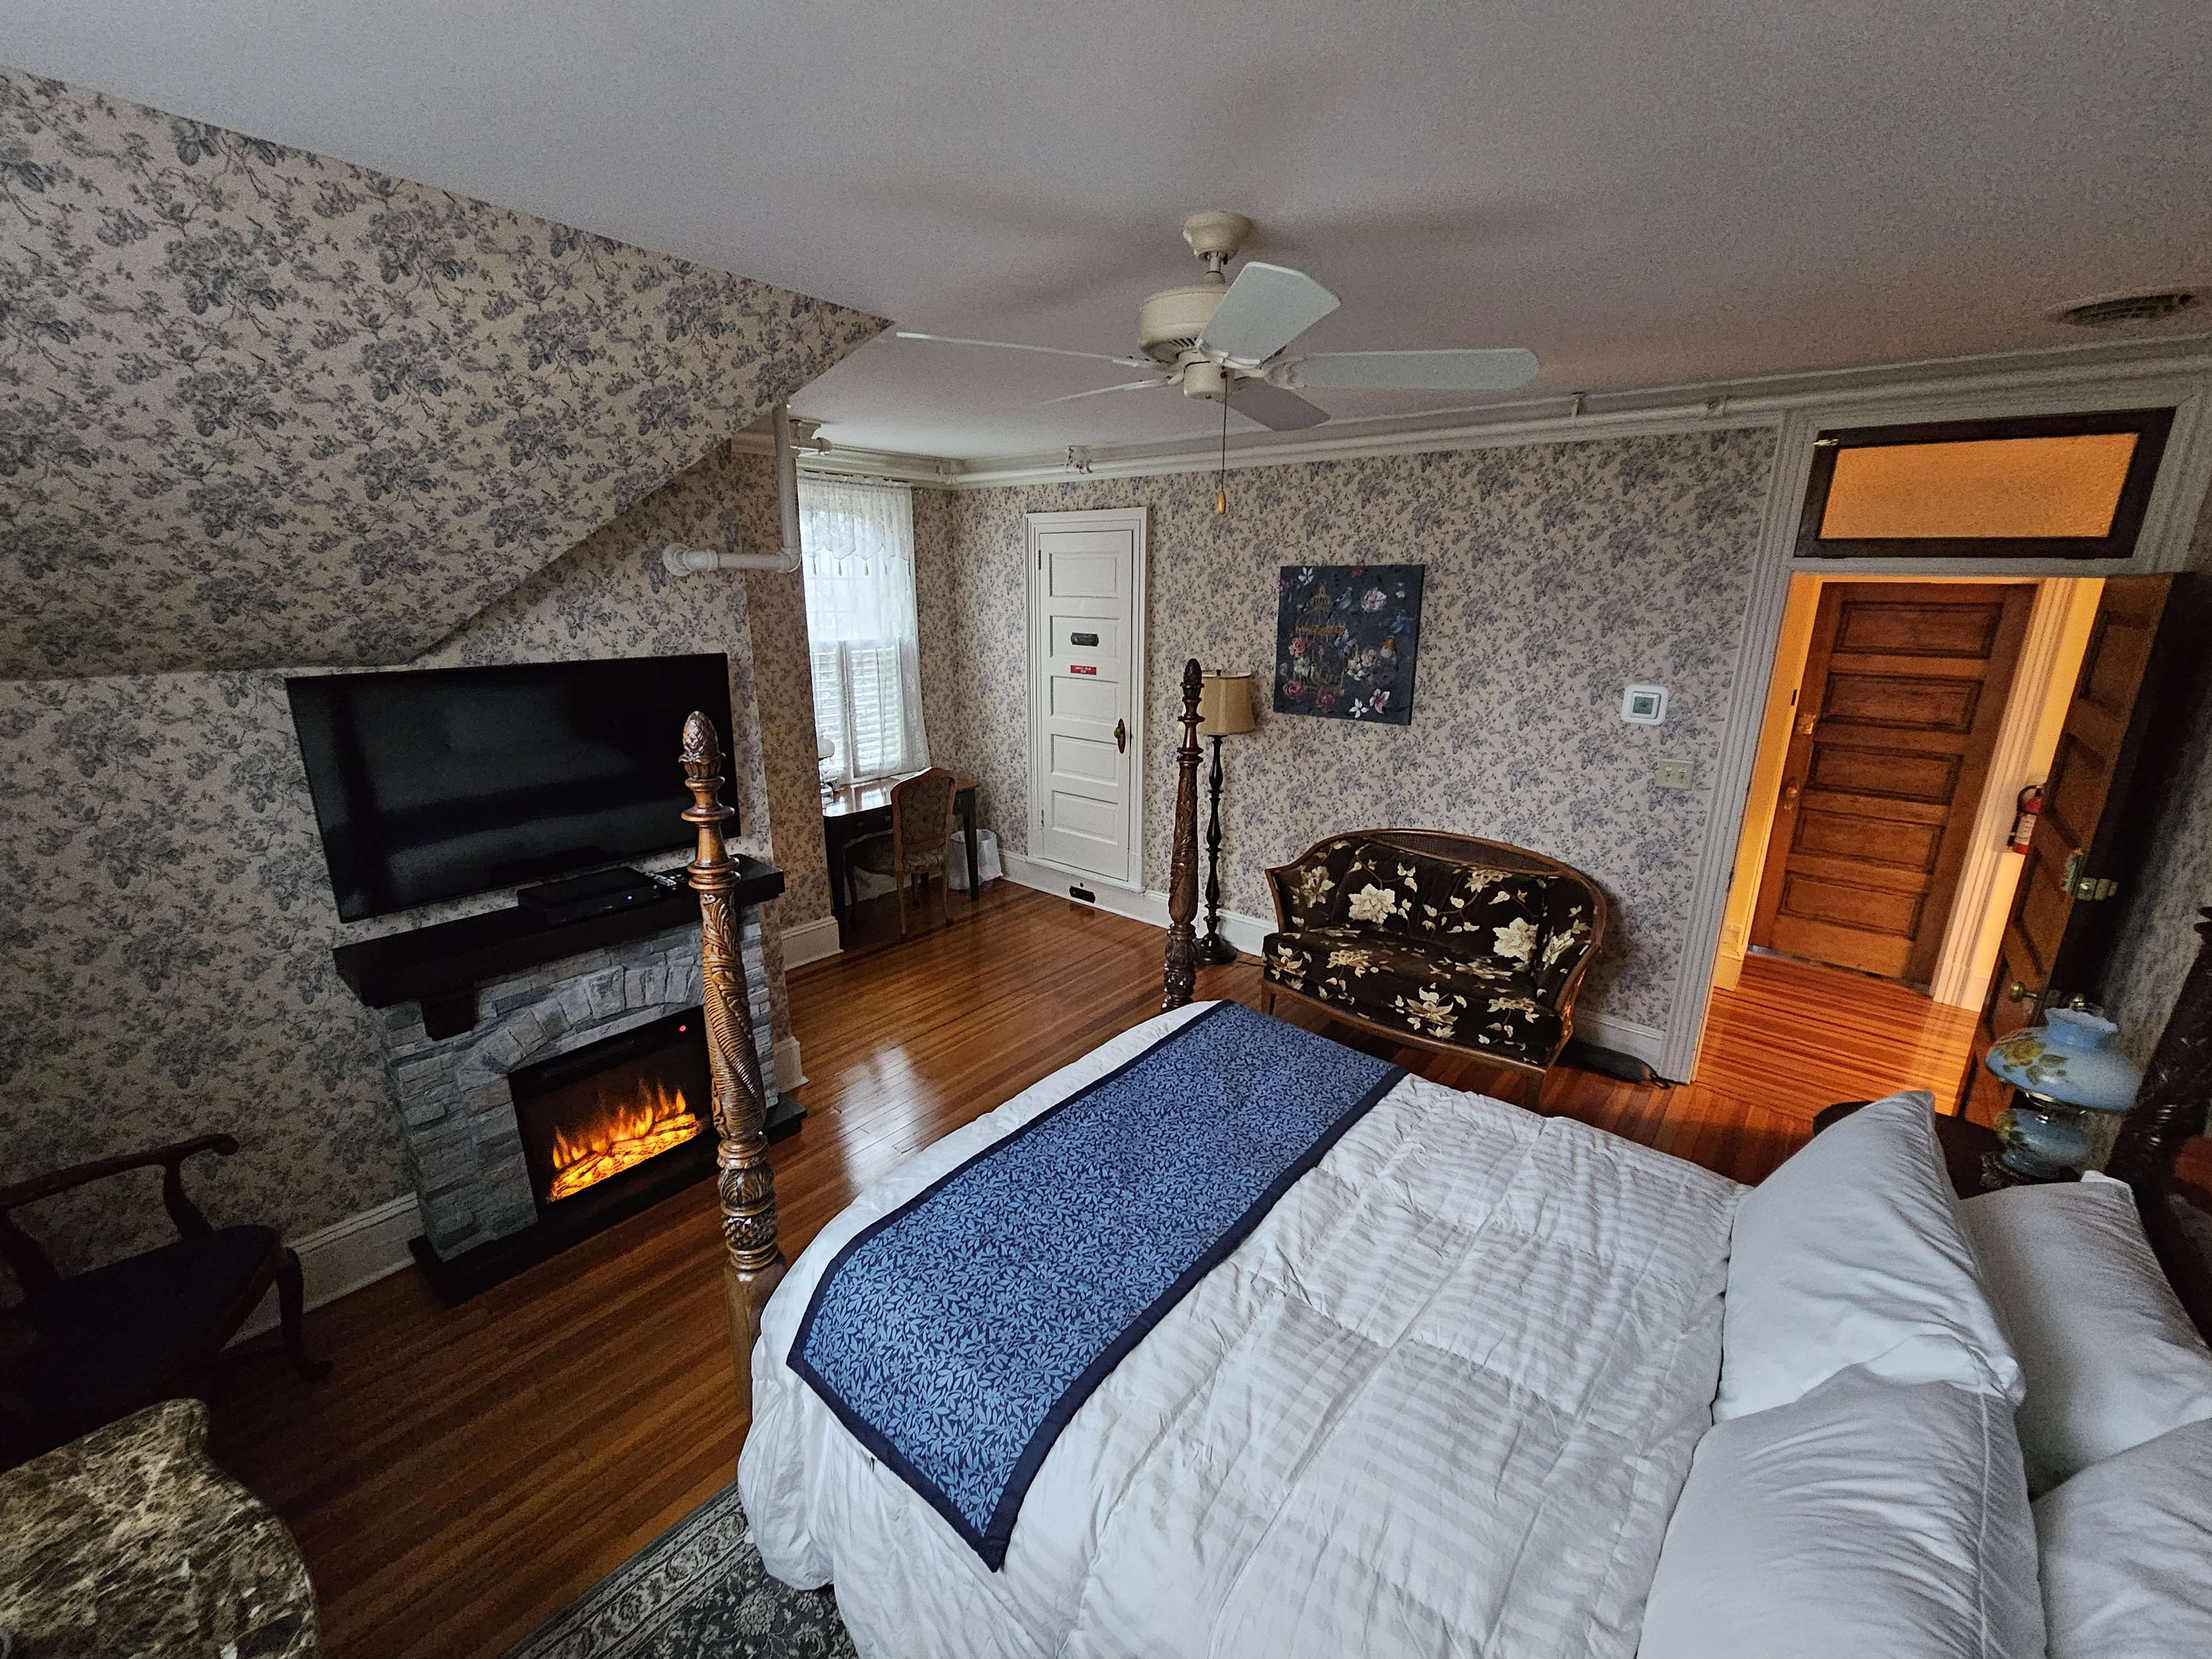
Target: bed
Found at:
x=1442, y=1395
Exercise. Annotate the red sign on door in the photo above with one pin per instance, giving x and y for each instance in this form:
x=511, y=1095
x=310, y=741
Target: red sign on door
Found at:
x=1082, y=668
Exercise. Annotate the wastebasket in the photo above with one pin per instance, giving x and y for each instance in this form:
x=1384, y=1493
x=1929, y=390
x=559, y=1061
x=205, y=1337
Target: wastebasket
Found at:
x=987, y=859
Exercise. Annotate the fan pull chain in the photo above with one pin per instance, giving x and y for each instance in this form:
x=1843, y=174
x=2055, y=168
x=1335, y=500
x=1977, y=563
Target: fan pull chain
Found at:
x=1221, y=479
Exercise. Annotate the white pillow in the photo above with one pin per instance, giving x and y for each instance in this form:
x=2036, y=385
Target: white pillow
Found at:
x=1851, y=1254
x=2127, y=1552
x=2110, y=1358
x=1870, y=1517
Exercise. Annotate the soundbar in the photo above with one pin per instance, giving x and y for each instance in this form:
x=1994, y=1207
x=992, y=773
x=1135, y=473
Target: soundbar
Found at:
x=580, y=898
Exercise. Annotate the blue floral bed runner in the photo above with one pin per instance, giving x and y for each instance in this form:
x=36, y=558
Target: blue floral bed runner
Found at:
x=957, y=1335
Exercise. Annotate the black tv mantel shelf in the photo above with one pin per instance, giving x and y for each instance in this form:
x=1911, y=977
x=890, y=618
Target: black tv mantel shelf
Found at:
x=441, y=966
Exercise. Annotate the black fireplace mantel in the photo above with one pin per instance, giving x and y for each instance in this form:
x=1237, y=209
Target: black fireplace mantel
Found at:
x=441, y=966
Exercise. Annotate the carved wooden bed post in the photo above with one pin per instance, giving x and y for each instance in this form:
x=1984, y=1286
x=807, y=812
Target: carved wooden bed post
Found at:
x=752, y=1264
x=1180, y=976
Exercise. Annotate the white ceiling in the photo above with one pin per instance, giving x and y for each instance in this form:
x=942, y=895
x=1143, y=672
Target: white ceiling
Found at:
x=1643, y=194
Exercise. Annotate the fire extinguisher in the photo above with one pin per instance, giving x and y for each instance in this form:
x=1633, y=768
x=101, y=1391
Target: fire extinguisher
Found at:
x=2023, y=829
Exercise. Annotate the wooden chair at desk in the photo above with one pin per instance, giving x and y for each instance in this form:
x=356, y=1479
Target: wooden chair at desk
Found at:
x=922, y=828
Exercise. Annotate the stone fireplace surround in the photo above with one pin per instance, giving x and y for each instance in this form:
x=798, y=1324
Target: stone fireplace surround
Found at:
x=464, y=1144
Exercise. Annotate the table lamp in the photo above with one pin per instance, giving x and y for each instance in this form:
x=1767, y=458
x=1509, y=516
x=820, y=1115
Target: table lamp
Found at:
x=1225, y=709
x=2073, y=1089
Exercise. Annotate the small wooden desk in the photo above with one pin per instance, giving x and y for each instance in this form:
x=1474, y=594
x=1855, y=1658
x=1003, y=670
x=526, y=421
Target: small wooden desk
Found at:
x=865, y=809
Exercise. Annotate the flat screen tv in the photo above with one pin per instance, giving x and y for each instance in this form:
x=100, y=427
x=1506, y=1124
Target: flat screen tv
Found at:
x=432, y=784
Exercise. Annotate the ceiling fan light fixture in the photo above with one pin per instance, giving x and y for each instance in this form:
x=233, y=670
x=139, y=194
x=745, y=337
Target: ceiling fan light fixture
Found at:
x=1170, y=322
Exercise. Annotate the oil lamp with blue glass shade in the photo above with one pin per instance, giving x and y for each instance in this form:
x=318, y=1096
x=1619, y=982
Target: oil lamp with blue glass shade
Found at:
x=2073, y=1089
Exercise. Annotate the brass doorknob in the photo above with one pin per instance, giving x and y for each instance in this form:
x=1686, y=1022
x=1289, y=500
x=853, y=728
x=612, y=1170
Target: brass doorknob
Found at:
x=1790, y=798
x=2019, y=992
x=1122, y=736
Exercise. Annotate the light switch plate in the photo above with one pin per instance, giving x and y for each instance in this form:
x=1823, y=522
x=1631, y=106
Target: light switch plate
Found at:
x=1672, y=775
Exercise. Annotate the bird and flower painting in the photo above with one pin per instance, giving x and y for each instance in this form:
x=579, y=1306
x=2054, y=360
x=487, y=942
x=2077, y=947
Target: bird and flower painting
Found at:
x=1345, y=640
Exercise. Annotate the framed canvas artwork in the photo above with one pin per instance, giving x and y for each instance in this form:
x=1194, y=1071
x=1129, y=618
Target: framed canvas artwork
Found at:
x=1346, y=635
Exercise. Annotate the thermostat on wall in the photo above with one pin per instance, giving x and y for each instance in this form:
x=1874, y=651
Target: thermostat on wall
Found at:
x=1644, y=705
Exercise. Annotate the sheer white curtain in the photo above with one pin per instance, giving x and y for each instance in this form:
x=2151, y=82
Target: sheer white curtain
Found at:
x=858, y=540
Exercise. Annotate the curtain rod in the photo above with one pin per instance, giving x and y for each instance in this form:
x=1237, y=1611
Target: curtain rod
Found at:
x=824, y=475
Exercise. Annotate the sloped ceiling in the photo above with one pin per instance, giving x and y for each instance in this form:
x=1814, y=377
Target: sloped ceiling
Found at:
x=260, y=408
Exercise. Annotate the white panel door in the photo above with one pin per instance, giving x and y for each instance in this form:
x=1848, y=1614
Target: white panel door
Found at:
x=1086, y=656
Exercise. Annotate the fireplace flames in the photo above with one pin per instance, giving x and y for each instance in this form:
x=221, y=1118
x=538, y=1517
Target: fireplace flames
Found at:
x=643, y=1127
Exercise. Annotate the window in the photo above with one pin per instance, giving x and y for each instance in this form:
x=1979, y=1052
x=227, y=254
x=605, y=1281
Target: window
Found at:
x=858, y=540
x=2048, y=486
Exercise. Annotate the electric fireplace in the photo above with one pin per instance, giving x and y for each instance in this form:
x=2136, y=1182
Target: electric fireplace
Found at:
x=631, y=1110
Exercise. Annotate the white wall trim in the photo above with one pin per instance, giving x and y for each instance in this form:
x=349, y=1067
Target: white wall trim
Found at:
x=1759, y=400
x=342, y=1258
x=1145, y=904
x=789, y=1073
x=1731, y=784
x=809, y=941
x=1707, y=406
x=1646, y=1042
x=1247, y=932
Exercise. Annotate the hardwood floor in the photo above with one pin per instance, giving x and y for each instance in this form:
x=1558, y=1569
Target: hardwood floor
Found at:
x=467, y=1471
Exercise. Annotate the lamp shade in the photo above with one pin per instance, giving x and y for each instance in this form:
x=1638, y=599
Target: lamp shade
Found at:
x=2068, y=1059
x=1224, y=705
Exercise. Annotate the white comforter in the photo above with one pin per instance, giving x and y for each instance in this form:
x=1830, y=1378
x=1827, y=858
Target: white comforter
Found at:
x=1441, y=1401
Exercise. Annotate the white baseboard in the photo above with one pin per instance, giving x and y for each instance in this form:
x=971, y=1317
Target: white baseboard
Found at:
x=1149, y=905
x=341, y=1258
x=809, y=941
x=789, y=1073
x=1246, y=934
x=1645, y=1043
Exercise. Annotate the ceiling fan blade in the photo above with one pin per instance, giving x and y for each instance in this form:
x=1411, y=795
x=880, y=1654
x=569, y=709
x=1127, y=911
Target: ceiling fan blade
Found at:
x=1266, y=308
x=1420, y=371
x=1101, y=390
x=1271, y=406
x=1010, y=345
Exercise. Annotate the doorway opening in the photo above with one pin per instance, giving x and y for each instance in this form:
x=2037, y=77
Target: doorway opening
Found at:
x=1907, y=723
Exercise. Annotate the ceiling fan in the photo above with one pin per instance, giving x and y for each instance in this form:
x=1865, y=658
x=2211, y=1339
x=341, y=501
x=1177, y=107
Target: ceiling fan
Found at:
x=1223, y=339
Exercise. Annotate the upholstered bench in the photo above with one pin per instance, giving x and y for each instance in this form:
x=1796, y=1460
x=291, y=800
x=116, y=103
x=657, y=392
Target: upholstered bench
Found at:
x=1445, y=941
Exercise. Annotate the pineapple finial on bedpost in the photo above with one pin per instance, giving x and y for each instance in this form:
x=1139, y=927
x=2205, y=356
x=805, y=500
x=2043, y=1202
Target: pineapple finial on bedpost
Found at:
x=752, y=1262
x=1179, y=978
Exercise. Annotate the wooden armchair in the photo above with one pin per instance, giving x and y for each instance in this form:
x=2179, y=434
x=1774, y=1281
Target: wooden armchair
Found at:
x=80, y=1352
x=921, y=827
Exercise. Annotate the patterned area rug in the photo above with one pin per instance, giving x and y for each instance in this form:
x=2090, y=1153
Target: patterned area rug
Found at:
x=698, y=1590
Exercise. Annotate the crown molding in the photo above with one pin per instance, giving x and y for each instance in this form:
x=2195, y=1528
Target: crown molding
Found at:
x=1759, y=400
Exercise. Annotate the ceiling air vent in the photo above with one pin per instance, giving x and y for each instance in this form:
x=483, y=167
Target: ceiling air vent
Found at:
x=2126, y=310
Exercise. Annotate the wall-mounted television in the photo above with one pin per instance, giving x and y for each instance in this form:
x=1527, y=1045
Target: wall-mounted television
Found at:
x=433, y=784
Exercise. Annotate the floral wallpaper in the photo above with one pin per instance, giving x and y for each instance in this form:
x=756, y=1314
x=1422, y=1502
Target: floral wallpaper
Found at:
x=165, y=921
x=1556, y=574
x=2158, y=938
x=261, y=408
x=775, y=605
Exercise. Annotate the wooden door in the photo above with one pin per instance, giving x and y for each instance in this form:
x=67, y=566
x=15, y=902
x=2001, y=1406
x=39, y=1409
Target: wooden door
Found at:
x=2054, y=941
x=1904, y=689
x=1086, y=611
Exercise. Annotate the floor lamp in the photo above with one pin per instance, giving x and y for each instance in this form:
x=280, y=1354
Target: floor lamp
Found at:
x=1225, y=709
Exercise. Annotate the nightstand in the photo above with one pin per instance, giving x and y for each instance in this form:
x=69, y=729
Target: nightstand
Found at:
x=1970, y=1151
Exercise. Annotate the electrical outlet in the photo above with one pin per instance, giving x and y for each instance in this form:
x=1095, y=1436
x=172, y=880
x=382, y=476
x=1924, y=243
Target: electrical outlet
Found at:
x=1671, y=774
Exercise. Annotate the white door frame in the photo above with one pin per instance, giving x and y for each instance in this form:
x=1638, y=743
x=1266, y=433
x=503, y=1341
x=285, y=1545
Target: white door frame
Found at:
x=2161, y=545
x=1038, y=658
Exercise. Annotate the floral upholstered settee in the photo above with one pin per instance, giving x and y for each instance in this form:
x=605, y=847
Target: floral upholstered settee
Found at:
x=1471, y=946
